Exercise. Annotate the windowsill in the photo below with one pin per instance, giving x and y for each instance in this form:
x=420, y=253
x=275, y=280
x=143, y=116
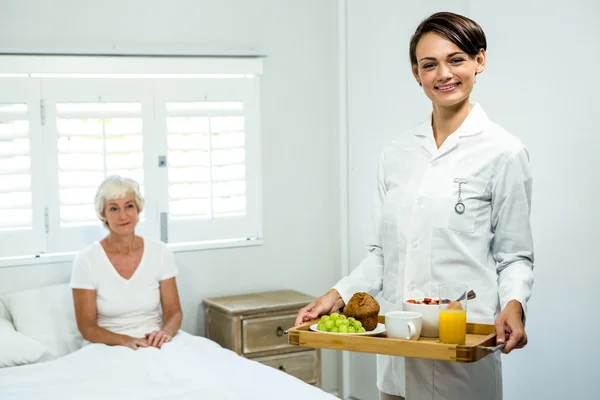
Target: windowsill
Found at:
x=55, y=258
x=214, y=245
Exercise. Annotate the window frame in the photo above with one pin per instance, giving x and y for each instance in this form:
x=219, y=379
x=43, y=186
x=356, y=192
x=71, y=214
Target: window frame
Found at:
x=134, y=71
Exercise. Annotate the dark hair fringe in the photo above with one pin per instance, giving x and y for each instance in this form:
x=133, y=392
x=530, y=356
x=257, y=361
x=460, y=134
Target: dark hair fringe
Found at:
x=465, y=33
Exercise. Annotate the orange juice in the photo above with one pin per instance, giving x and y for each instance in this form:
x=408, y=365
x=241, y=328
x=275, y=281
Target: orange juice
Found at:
x=453, y=326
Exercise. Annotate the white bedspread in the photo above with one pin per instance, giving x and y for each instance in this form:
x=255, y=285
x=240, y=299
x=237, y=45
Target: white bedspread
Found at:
x=189, y=367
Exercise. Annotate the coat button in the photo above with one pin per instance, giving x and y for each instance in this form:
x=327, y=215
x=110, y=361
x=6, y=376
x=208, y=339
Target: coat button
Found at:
x=415, y=244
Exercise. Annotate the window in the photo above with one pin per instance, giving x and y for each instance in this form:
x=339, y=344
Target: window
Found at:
x=190, y=141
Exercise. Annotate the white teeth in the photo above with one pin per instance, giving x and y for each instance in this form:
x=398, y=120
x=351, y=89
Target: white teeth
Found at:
x=447, y=87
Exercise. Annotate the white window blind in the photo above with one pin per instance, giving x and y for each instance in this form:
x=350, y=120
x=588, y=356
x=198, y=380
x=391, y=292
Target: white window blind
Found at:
x=93, y=128
x=207, y=173
x=21, y=211
x=95, y=140
x=212, y=152
x=15, y=167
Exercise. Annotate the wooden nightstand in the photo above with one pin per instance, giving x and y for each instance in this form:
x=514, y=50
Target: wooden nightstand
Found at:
x=253, y=326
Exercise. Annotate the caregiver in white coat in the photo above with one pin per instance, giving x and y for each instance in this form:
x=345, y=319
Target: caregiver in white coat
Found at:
x=452, y=205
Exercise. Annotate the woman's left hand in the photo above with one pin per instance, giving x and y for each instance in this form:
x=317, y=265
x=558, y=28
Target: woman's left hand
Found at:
x=158, y=338
x=509, y=327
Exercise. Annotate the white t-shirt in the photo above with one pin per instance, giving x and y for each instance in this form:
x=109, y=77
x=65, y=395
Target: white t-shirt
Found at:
x=125, y=306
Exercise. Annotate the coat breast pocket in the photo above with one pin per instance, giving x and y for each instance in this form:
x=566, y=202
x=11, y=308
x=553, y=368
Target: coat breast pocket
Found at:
x=458, y=210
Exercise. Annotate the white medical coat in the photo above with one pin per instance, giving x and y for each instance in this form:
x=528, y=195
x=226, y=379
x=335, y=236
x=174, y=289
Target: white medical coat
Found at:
x=420, y=242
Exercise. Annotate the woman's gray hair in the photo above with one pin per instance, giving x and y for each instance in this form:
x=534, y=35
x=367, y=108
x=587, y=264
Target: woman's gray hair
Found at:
x=117, y=187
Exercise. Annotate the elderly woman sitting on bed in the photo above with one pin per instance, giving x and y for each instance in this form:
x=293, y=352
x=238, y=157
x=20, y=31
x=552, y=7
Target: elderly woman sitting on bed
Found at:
x=121, y=283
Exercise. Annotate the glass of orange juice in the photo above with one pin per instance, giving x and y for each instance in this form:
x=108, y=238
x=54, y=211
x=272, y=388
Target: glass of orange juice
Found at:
x=453, y=313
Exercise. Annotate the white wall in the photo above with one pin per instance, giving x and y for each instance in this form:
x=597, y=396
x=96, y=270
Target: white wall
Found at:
x=542, y=84
x=299, y=139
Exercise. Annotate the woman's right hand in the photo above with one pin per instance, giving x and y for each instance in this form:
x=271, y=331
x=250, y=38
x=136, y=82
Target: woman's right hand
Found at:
x=135, y=343
x=329, y=303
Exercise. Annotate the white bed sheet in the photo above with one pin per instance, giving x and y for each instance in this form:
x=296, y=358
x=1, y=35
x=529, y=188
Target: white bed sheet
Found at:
x=189, y=367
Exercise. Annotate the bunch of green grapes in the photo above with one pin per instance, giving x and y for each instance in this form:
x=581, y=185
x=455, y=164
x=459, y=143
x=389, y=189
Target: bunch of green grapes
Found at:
x=339, y=323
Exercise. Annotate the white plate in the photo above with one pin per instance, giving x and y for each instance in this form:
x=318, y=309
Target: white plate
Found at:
x=380, y=329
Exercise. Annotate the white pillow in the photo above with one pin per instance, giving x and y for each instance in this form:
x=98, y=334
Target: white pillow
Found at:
x=18, y=349
x=4, y=314
x=47, y=315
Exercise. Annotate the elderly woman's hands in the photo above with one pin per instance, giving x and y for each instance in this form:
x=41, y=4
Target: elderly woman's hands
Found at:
x=153, y=339
x=135, y=343
x=158, y=338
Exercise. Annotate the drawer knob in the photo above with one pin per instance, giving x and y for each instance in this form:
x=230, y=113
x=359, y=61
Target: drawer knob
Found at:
x=279, y=331
x=281, y=368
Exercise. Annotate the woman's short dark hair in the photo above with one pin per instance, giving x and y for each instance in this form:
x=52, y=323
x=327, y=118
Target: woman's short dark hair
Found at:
x=465, y=33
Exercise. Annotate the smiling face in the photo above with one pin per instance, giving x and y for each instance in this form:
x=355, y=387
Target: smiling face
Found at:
x=446, y=72
x=121, y=215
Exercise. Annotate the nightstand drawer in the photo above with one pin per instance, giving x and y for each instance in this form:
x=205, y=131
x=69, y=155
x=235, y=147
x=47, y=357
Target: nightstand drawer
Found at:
x=253, y=326
x=303, y=365
x=266, y=334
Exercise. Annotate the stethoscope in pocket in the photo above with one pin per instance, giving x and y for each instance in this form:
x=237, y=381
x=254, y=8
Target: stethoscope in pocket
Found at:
x=459, y=207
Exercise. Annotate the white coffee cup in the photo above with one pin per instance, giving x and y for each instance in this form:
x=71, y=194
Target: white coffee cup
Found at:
x=403, y=325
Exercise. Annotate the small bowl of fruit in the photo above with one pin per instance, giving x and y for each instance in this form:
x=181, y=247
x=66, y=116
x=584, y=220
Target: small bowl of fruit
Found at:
x=429, y=308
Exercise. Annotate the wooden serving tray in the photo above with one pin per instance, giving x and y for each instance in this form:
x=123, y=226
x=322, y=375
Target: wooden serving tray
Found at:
x=481, y=341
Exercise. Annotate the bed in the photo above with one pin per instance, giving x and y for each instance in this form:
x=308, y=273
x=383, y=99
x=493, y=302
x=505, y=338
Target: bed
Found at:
x=42, y=356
